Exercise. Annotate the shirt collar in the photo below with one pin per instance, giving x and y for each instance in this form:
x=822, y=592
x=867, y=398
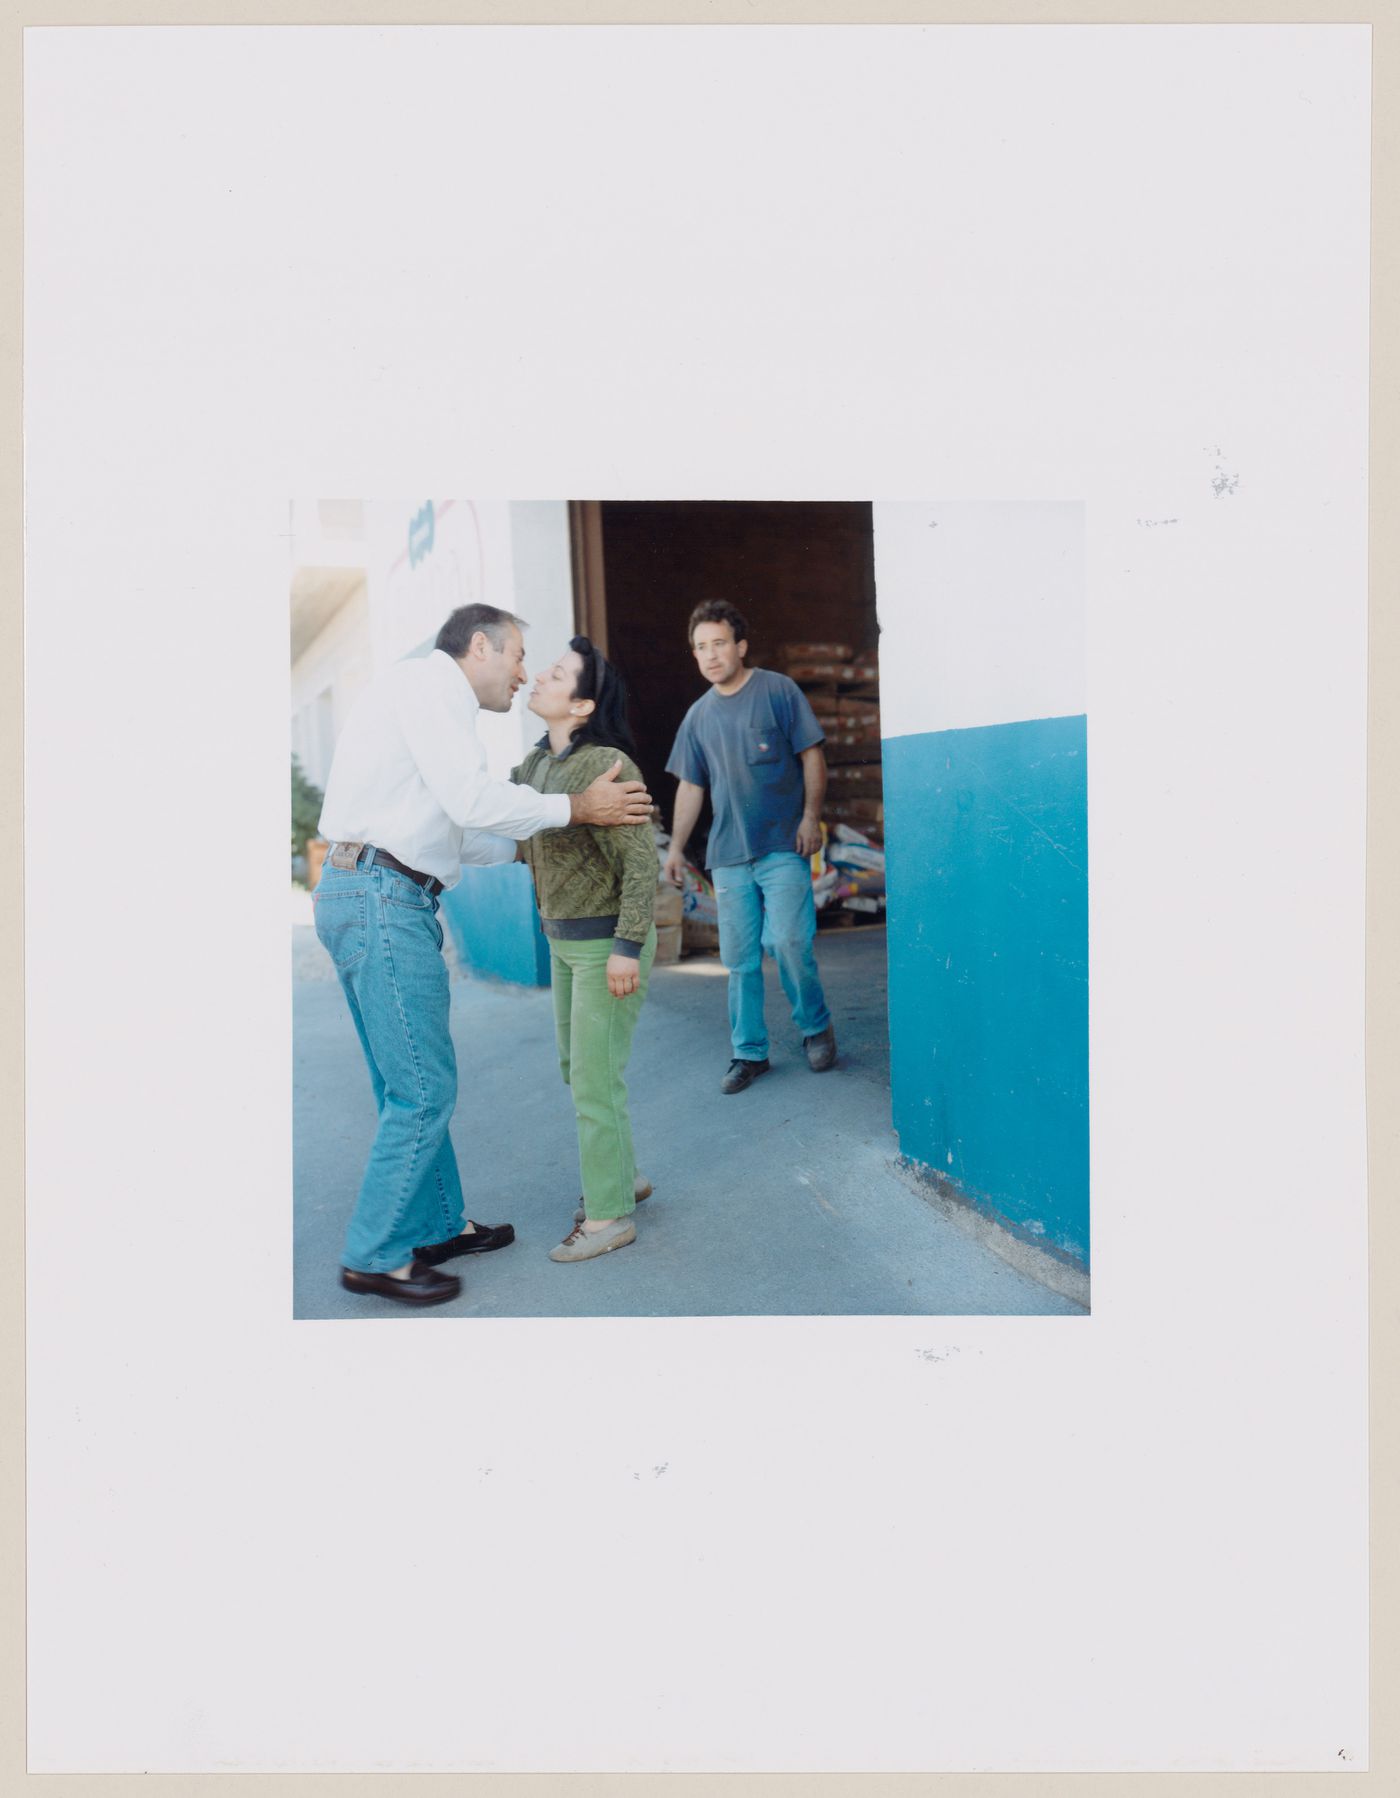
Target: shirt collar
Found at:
x=563, y=754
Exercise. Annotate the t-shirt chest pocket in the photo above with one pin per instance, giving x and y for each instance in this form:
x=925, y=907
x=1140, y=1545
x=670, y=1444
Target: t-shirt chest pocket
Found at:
x=764, y=743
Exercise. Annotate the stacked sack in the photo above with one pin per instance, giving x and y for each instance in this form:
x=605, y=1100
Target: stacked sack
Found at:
x=848, y=875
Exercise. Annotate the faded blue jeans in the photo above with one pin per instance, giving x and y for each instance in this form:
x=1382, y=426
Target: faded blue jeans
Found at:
x=767, y=904
x=382, y=932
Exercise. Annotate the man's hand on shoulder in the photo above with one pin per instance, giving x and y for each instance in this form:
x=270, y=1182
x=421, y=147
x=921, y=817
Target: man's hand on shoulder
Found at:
x=609, y=800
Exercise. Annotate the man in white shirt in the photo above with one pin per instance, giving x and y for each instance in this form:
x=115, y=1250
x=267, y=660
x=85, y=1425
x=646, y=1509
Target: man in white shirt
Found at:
x=409, y=799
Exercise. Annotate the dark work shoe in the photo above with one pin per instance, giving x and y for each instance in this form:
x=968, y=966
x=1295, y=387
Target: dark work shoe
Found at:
x=821, y=1050
x=742, y=1074
x=422, y=1287
x=479, y=1240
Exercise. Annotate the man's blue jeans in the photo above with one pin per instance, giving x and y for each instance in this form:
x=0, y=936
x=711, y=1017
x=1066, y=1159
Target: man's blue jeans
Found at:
x=382, y=932
x=767, y=904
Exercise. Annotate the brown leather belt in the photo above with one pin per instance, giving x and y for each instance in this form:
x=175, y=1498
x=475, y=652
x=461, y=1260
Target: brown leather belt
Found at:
x=382, y=858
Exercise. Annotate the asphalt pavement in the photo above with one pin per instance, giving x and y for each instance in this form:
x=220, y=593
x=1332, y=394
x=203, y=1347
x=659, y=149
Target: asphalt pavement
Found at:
x=777, y=1201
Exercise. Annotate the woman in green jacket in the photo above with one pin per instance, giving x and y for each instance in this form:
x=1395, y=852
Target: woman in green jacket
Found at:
x=596, y=890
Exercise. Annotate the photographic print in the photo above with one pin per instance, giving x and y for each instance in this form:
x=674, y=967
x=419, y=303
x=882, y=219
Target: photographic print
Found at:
x=856, y=740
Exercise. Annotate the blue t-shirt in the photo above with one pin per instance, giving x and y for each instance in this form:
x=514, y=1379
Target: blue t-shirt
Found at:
x=744, y=747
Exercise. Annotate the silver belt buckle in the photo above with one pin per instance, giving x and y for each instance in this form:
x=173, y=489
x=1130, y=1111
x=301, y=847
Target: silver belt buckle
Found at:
x=345, y=855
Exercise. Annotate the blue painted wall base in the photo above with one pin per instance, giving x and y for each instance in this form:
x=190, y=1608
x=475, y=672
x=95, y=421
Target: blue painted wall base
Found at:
x=988, y=934
x=491, y=914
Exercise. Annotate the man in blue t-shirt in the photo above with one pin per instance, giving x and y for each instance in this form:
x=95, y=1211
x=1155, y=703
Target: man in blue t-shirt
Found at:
x=754, y=741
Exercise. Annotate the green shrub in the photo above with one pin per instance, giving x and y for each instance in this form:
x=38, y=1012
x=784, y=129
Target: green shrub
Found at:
x=306, y=808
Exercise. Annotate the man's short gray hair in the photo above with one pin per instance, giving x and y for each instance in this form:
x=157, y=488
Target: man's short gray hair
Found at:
x=456, y=635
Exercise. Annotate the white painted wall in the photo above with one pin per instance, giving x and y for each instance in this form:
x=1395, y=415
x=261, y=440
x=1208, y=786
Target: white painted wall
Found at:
x=544, y=584
x=334, y=666
x=981, y=609
x=409, y=601
x=515, y=556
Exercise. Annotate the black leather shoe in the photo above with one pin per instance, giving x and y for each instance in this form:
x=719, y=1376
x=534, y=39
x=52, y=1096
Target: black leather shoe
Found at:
x=742, y=1074
x=479, y=1240
x=422, y=1287
x=821, y=1050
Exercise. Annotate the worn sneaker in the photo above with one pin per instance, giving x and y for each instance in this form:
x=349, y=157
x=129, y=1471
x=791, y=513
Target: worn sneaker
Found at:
x=641, y=1189
x=583, y=1245
x=821, y=1050
x=742, y=1074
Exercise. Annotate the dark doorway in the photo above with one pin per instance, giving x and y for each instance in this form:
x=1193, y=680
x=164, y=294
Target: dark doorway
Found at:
x=801, y=572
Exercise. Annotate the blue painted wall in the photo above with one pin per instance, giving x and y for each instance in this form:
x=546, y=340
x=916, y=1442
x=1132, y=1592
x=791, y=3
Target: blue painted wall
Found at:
x=988, y=907
x=491, y=914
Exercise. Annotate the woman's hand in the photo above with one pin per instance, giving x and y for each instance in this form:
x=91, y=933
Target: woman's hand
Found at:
x=624, y=975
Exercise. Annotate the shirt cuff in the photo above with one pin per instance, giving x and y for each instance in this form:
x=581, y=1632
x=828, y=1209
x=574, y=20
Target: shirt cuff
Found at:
x=623, y=945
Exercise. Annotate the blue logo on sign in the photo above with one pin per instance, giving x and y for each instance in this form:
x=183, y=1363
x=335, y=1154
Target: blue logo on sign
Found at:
x=420, y=535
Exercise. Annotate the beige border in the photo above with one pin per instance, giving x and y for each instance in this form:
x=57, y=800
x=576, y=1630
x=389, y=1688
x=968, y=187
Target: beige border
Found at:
x=1383, y=890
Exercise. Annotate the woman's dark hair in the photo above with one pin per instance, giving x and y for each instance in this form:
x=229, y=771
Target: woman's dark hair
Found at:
x=599, y=681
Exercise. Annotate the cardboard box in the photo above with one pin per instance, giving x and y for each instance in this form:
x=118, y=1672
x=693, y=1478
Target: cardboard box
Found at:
x=840, y=752
x=699, y=938
x=854, y=811
x=668, y=905
x=816, y=652
x=865, y=737
x=854, y=780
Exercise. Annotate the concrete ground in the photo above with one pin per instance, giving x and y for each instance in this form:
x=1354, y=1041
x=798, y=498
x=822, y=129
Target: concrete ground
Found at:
x=778, y=1201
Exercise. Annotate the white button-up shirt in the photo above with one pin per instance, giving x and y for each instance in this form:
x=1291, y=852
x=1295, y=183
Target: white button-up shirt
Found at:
x=410, y=775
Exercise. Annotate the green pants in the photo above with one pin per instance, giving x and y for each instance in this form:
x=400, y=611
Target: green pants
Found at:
x=594, y=1031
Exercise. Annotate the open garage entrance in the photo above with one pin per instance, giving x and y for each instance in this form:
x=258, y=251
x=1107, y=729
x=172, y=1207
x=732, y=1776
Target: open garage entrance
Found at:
x=803, y=574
